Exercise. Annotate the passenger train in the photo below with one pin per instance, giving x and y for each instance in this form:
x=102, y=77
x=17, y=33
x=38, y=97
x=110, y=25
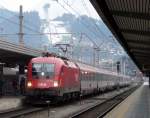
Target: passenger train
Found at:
x=58, y=78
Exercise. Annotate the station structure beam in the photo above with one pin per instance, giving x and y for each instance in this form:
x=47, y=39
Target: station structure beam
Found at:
x=137, y=32
x=131, y=14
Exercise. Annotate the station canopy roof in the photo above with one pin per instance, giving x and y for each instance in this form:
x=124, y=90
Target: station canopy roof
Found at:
x=129, y=21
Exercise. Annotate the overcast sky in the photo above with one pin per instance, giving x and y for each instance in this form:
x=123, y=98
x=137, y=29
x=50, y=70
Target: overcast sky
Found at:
x=55, y=8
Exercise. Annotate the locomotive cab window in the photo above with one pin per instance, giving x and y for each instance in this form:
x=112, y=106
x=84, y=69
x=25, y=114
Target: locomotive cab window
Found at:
x=42, y=70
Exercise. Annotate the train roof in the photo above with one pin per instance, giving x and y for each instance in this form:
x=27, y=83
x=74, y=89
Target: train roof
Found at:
x=47, y=60
x=90, y=68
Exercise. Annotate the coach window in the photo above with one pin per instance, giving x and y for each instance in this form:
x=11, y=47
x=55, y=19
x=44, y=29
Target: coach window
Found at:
x=99, y=76
x=87, y=76
x=91, y=77
x=96, y=76
x=82, y=75
x=102, y=77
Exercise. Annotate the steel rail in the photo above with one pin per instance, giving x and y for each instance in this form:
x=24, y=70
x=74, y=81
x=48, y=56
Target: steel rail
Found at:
x=19, y=112
x=99, y=110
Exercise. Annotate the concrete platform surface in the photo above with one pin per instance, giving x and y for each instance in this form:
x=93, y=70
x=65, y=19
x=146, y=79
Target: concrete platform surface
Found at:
x=8, y=103
x=137, y=105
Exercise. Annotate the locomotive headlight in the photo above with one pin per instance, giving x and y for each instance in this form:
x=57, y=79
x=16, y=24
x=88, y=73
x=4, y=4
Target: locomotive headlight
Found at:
x=42, y=73
x=29, y=84
x=55, y=83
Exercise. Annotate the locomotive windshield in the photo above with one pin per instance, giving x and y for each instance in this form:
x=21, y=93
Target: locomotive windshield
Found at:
x=42, y=70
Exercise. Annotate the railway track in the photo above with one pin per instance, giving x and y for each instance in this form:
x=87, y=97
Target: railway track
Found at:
x=101, y=109
x=19, y=112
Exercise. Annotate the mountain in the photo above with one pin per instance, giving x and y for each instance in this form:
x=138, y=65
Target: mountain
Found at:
x=94, y=31
x=84, y=24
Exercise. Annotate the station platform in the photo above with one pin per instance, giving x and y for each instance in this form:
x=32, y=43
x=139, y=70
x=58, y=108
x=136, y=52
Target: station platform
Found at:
x=9, y=103
x=137, y=105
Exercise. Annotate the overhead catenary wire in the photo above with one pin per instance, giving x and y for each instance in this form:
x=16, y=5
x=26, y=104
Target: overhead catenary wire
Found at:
x=46, y=33
x=18, y=24
x=70, y=12
x=26, y=26
x=96, y=27
x=79, y=19
x=94, y=24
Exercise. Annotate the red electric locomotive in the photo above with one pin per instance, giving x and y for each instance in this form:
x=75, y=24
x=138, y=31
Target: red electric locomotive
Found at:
x=52, y=77
x=57, y=78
